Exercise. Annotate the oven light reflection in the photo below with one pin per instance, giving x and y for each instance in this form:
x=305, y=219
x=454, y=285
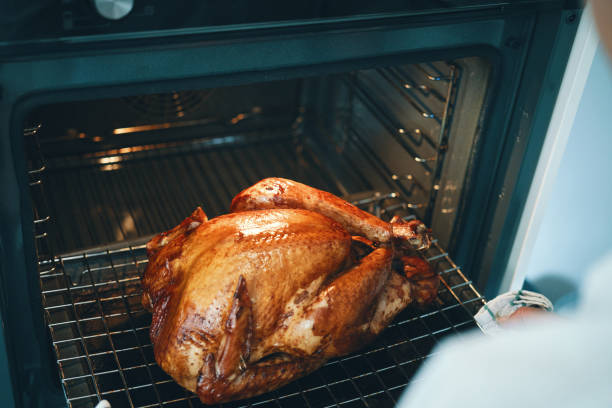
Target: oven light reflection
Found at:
x=111, y=153
x=127, y=228
x=110, y=167
x=143, y=128
x=110, y=159
x=238, y=118
x=110, y=163
x=185, y=123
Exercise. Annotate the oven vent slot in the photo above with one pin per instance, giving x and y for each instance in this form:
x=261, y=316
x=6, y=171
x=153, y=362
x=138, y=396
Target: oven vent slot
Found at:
x=171, y=106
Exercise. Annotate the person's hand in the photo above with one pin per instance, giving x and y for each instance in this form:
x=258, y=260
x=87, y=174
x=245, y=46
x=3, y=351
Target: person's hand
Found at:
x=524, y=314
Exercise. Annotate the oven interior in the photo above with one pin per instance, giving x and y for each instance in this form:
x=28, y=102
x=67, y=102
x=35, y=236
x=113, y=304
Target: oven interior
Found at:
x=108, y=174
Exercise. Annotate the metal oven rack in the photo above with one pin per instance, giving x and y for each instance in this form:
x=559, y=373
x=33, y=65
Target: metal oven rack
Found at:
x=100, y=336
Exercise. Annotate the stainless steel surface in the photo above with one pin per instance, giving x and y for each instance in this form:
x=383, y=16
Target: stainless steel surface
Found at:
x=463, y=134
x=419, y=123
x=113, y=9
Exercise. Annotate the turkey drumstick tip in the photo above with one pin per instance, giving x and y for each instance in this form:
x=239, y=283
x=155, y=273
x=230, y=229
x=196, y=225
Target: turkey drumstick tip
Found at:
x=413, y=232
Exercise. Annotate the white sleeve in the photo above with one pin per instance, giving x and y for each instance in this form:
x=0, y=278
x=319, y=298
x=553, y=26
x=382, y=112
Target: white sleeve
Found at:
x=561, y=362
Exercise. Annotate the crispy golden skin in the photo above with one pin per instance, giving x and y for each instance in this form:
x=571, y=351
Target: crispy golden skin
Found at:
x=249, y=301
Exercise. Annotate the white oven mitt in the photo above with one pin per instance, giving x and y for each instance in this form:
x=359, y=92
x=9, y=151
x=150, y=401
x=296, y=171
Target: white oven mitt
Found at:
x=506, y=304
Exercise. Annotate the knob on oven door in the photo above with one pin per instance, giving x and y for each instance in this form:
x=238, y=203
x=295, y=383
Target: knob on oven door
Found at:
x=113, y=9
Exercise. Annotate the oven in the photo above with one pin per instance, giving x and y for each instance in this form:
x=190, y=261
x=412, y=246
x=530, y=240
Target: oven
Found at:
x=115, y=127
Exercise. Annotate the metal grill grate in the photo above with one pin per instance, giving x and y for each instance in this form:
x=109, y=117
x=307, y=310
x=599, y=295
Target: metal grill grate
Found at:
x=100, y=336
x=168, y=106
x=132, y=194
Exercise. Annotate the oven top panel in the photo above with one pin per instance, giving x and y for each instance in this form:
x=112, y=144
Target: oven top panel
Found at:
x=61, y=19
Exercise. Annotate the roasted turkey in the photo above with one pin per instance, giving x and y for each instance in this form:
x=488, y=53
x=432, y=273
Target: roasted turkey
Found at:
x=249, y=301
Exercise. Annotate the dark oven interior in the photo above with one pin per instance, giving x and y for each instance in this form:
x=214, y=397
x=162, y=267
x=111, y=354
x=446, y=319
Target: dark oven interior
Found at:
x=106, y=175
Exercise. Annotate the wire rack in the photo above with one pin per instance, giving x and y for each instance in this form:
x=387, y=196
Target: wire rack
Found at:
x=100, y=335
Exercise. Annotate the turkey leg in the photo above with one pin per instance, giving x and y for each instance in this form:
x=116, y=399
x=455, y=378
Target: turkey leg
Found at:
x=282, y=193
x=348, y=302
